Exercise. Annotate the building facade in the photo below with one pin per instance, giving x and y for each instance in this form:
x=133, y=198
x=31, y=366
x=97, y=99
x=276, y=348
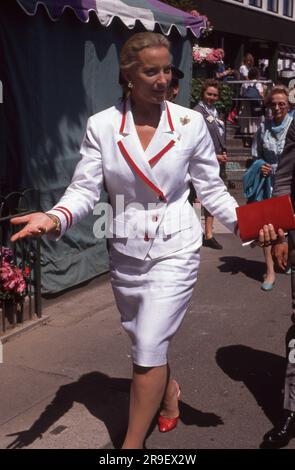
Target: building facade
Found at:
x=277, y=8
x=265, y=28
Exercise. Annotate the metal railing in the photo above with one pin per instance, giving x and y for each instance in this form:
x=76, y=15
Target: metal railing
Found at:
x=239, y=138
x=20, y=273
x=244, y=116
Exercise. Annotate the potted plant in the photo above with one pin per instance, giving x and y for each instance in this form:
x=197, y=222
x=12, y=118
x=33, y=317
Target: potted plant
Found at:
x=205, y=61
x=202, y=55
x=13, y=285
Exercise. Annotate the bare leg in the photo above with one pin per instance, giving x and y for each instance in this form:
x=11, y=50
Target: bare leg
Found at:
x=147, y=390
x=208, y=226
x=270, y=273
x=170, y=408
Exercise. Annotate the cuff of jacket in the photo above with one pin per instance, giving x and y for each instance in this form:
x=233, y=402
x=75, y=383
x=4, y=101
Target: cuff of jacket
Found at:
x=66, y=221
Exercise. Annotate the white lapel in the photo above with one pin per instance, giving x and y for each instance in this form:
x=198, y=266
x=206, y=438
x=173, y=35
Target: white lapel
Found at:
x=131, y=149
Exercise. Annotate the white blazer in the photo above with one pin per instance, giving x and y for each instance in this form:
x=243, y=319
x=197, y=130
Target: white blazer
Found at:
x=154, y=216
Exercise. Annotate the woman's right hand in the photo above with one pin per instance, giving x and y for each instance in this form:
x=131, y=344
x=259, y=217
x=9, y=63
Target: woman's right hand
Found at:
x=36, y=224
x=265, y=169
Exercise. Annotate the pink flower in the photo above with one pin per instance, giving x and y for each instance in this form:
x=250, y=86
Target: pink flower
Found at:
x=21, y=287
x=6, y=253
x=205, y=54
x=10, y=284
x=11, y=279
x=6, y=271
x=194, y=13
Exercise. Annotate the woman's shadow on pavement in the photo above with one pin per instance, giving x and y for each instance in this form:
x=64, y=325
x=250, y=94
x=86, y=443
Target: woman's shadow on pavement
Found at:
x=262, y=372
x=250, y=268
x=105, y=398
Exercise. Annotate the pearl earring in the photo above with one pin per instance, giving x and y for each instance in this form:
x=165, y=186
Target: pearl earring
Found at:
x=130, y=85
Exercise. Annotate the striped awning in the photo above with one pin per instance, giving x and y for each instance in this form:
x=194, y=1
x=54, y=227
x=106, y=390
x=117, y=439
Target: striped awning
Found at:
x=149, y=12
x=286, y=52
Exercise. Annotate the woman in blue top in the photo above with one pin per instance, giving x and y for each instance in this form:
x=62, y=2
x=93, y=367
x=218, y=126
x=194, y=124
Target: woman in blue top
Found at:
x=268, y=145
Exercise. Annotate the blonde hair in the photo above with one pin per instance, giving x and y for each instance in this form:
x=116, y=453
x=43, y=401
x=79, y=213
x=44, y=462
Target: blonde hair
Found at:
x=131, y=48
x=249, y=57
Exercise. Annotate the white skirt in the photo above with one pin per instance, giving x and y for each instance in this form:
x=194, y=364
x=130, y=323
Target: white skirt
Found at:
x=152, y=297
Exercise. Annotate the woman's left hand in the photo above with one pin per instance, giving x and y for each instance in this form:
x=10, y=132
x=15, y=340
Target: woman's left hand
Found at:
x=265, y=169
x=222, y=158
x=268, y=236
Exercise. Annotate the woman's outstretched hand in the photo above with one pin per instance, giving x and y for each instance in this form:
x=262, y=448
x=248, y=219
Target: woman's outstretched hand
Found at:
x=36, y=224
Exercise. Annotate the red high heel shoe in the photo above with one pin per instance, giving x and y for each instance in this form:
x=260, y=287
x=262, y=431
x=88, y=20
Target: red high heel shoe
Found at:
x=166, y=424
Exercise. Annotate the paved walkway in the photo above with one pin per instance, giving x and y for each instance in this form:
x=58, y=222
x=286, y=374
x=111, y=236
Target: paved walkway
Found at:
x=65, y=384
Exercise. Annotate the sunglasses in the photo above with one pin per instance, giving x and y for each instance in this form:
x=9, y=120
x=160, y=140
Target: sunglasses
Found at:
x=213, y=94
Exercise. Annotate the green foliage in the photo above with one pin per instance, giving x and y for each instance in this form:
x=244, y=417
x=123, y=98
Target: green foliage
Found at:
x=196, y=91
x=224, y=103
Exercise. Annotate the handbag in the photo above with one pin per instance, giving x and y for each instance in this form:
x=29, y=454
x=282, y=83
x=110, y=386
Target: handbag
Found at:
x=277, y=211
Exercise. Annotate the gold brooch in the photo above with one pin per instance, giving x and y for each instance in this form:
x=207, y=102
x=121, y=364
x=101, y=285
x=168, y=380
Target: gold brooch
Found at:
x=184, y=120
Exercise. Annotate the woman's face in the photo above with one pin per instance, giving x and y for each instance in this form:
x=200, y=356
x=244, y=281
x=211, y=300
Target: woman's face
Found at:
x=211, y=95
x=279, y=106
x=248, y=62
x=151, y=76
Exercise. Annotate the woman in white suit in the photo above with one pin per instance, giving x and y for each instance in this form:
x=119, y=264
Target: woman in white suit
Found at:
x=147, y=150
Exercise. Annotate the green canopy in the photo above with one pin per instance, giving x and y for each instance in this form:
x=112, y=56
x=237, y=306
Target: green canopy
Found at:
x=59, y=65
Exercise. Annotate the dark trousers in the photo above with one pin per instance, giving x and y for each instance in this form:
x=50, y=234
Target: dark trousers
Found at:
x=289, y=394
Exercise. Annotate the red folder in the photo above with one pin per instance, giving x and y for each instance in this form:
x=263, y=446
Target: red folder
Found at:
x=277, y=211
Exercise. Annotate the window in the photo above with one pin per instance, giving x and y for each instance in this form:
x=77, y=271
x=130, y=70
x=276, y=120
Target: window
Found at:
x=255, y=3
x=288, y=8
x=272, y=5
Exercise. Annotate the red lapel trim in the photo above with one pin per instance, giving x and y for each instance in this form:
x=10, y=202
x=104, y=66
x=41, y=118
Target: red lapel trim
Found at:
x=153, y=160
x=169, y=117
x=139, y=172
x=123, y=119
x=159, y=155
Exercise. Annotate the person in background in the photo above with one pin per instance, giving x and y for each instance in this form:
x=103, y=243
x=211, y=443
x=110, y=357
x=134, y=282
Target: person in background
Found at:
x=248, y=63
x=283, y=250
x=222, y=72
x=249, y=123
x=268, y=145
x=209, y=97
x=173, y=89
x=291, y=91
